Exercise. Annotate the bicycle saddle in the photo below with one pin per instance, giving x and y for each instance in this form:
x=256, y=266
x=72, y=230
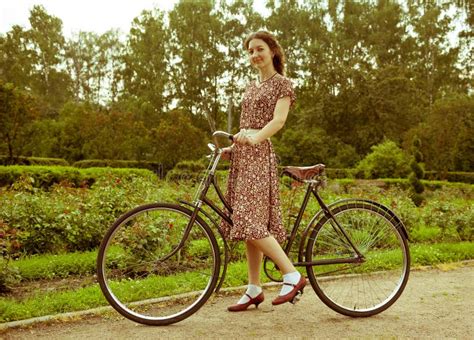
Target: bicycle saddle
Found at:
x=302, y=173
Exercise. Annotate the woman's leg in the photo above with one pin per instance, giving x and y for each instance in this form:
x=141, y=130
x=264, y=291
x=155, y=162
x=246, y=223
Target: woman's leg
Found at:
x=270, y=247
x=292, y=279
x=254, y=262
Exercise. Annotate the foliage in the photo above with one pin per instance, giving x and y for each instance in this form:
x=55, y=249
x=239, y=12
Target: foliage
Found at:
x=41, y=176
x=417, y=174
x=192, y=166
x=451, y=176
x=178, y=140
x=74, y=219
x=447, y=134
x=16, y=113
x=156, y=167
x=186, y=170
x=9, y=249
x=386, y=160
x=88, y=297
x=363, y=72
x=47, y=266
x=46, y=176
x=71, y=219
x=4, y=160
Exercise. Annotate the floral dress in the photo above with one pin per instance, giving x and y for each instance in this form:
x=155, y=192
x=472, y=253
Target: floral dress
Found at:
x=253, y=184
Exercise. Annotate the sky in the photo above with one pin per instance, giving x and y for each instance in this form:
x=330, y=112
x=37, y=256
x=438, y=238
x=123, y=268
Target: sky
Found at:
x=100, y=16
x=96, y=16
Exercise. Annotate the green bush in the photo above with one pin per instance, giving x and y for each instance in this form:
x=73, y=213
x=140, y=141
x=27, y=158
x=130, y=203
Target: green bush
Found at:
x=46, y=176
x=186, y=171
x=9, y=249
x=455, y=219
x=425, y=234
x=463, y=177
x=386, y=160
x=191, y=166
x=176, y=175
x=340, y=173
x=5, y=160
x=42, y=176
x=67, y=219
x=156, y=167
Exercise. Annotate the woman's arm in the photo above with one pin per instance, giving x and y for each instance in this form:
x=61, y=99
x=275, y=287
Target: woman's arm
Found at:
x=280, y=114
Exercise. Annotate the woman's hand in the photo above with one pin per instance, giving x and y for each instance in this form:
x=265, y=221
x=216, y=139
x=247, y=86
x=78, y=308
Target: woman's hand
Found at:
x=226, y=152
x=243, y=137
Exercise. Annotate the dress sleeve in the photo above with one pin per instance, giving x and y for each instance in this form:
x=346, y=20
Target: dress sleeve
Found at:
x=286, y=90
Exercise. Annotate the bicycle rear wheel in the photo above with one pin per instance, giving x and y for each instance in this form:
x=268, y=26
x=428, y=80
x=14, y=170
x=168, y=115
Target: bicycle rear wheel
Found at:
x=143, y=273
x=372, y=285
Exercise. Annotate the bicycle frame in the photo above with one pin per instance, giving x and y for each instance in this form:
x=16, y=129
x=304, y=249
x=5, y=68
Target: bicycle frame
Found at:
x=312, y=188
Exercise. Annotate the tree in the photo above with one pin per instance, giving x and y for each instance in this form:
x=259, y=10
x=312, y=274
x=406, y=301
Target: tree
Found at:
x=17, y=111
x=433, y=60
x=386, y=160
x=195, y=47
x=146, y=67
x=447, y=135
x=92, y=64
x=417, y=174
x=239, y=19
x=49, y=80
x=15, y=64
x=176, y=139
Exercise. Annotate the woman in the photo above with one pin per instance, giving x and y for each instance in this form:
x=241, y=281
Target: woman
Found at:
x=252, y=188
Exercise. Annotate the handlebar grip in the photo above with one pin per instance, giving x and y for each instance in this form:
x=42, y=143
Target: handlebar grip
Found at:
x=222, y=134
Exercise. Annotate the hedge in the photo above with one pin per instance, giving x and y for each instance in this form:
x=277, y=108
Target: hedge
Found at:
x=453, y=176
x=156, y=167
x=45, y=176
x=5, y=160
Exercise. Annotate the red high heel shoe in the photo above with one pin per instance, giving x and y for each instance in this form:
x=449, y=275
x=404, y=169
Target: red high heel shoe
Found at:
x=239, y=307
x=299, y=287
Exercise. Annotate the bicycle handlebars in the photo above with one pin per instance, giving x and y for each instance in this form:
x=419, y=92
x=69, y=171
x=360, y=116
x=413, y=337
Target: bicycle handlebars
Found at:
x=221, y=134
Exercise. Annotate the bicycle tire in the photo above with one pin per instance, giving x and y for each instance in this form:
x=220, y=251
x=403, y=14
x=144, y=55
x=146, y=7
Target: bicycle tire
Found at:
x=135, y=274
x=363, y=289
x=271, y=270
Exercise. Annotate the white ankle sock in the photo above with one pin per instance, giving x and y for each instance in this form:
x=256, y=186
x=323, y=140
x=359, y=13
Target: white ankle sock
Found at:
x=290, y=278
x=253, y=291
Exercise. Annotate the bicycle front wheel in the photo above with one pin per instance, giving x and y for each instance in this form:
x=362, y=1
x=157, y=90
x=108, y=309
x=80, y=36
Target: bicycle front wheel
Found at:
x=358, y=288
x=146, y=275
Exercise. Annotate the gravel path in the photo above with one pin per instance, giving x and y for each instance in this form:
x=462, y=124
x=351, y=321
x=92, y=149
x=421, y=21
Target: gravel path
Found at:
x=437, y=303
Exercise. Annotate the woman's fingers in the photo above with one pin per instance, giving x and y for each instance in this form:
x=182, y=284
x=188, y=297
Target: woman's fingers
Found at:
x=241, y=137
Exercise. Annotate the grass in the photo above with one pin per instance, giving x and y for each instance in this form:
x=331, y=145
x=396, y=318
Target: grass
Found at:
x=83, y=298
x=56, y=266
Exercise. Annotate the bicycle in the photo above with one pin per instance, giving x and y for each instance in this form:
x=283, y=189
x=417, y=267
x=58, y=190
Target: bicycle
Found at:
x=160, y=262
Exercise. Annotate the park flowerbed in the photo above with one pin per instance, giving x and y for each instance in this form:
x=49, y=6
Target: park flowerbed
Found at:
x=50, y=236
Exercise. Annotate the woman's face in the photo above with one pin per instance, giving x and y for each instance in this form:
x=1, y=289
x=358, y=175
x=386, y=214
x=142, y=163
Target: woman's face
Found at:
x=260, y=53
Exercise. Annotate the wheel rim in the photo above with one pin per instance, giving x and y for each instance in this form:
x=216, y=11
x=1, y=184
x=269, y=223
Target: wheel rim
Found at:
x=142, y=281
x=368, y=287
x=271, y=270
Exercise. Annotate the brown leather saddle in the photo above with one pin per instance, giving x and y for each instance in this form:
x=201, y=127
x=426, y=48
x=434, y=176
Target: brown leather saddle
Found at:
x=301, y=173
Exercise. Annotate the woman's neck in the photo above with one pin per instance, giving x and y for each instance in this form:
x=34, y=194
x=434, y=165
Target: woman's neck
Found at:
x=266, y=73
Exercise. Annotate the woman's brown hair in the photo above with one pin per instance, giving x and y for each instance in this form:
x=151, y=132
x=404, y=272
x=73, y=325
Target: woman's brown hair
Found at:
x=278, y=57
